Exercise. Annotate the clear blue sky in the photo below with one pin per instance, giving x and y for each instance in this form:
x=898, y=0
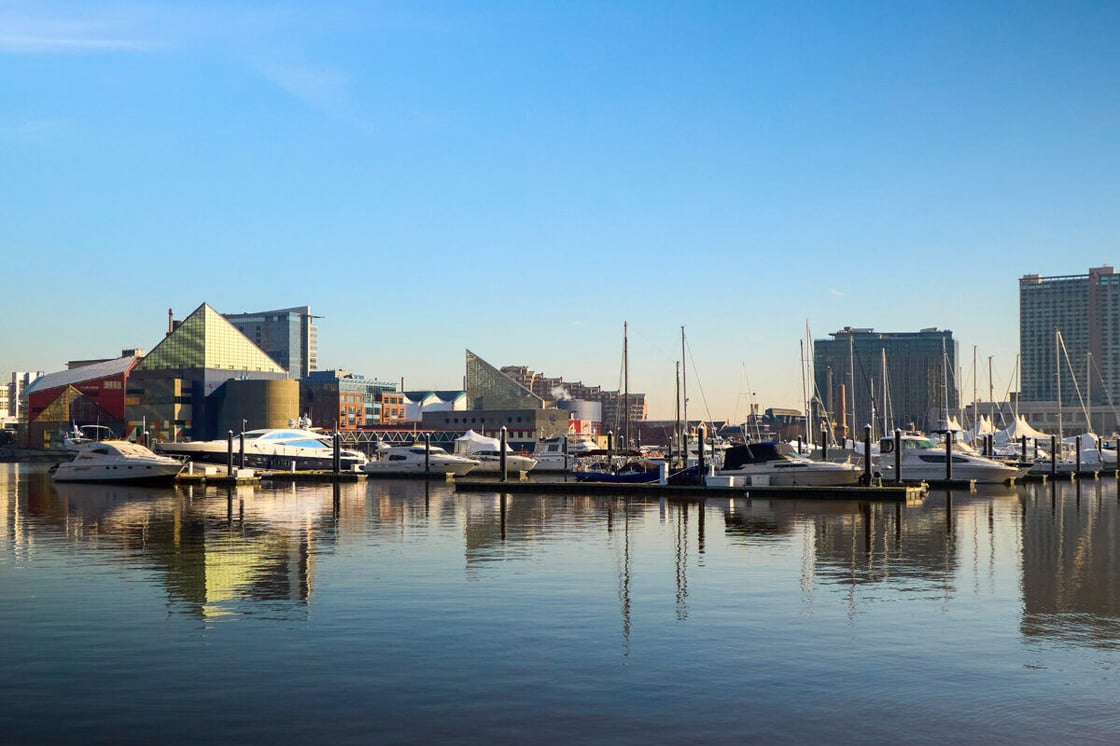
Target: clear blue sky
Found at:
x=520, y=178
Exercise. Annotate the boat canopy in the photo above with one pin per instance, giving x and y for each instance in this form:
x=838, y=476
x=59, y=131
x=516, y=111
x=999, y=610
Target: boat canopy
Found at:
x=755, y=453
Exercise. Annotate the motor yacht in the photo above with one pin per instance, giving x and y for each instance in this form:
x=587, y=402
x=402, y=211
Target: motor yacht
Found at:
x=551, y=454
x=271, y=448
x=418, y=459
x=116, y=461
x=487, y=451
x=924, y=460
x=778, y=464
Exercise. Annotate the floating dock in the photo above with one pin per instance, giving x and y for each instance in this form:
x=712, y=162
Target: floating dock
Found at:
x=219, y=477
x=886, y=493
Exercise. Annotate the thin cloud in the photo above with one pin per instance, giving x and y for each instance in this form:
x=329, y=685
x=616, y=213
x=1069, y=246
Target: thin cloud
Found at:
x=10, y=44
x=837, y=293
x=31, y=130
x=320, y=86
x=30, y=35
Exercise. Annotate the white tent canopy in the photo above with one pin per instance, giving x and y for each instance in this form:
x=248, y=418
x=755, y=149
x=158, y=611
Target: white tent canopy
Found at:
x=471, y=442
x=980, y=429
x=1018, y=429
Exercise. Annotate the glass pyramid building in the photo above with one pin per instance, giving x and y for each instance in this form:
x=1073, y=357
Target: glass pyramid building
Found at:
x=206, y=340
x=489, y=388
x=169, y=391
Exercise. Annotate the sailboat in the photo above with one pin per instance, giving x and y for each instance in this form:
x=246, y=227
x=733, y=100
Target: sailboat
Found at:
x=1079, y=454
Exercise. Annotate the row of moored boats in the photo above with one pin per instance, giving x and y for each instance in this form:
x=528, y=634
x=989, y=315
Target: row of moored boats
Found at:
x=767, y=462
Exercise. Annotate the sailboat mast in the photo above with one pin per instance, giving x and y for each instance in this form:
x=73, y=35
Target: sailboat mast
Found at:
x=684, y=392
x=991, y=395
x=975, y=414
x=805, y=396
x=1058, y=377
x=852, y=367
x=677, y=428
x=1088, y=391
x=945, y=385
x=626, y=381
x=883, y=404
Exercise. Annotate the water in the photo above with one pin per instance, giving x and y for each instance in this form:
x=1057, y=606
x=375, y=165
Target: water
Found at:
x=399, y=612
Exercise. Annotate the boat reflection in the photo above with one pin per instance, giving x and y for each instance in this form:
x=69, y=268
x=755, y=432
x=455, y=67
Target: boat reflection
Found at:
x=246, y=550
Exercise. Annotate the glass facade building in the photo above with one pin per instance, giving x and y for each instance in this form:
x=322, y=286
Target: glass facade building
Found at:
x=920, y=378
x=489, y=388
x=288, y=335
x=1085, y=310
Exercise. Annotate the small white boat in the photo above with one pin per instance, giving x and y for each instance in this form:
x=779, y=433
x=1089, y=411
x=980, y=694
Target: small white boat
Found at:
x=418, y=459
x=777, y=464
x=550, y=454
x=487, y=451
x=116, y=461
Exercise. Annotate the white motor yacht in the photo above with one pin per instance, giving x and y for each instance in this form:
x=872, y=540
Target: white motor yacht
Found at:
x=1092, y=461
x=550, y=454
x=778, y=464
x=271, y=449
x=116, y=461
x=488, y=452
x=923, y=460
x=418, y=459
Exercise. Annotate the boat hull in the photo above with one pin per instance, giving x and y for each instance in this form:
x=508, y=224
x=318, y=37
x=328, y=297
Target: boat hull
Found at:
x=821, y=474
x=493, y=464
x=135, y=473
x=390, y=469
x=279, y=460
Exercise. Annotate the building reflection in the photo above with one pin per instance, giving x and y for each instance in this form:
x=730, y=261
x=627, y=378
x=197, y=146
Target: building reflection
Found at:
x=217, y=551
x=1071, y=562
x=255, y=550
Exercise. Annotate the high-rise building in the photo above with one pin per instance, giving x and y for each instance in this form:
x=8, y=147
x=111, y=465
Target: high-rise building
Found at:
x=287, y=335
x=918, y=368
x=13, y=391
x=1069, y=326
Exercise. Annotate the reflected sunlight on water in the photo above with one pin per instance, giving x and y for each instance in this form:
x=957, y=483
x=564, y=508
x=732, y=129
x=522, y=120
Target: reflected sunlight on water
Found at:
x=403, y=611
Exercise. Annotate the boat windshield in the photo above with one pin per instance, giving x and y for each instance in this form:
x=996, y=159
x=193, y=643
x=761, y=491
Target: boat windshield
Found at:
x=917, y=443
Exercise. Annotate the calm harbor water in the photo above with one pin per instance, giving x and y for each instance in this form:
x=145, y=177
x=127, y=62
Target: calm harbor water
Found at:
x=402, y=612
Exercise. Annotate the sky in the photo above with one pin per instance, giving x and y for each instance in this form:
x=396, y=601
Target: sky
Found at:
x=520, y=179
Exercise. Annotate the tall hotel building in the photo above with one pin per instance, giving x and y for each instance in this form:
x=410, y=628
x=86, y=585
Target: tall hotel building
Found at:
x=1085, y=310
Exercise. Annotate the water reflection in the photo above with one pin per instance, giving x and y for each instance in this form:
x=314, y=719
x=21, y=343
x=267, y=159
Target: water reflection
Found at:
x=1051, y=548
x=1071, y=563
x=216, y=550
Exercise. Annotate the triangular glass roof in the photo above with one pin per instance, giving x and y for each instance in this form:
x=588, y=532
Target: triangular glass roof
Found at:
x=489, y=388
x=205, y=339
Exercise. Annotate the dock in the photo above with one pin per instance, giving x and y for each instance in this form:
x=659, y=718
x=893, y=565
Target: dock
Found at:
x=886, y=493
x=218, y=476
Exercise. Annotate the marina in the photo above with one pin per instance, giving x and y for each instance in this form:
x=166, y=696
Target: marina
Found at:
x=417, y=611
